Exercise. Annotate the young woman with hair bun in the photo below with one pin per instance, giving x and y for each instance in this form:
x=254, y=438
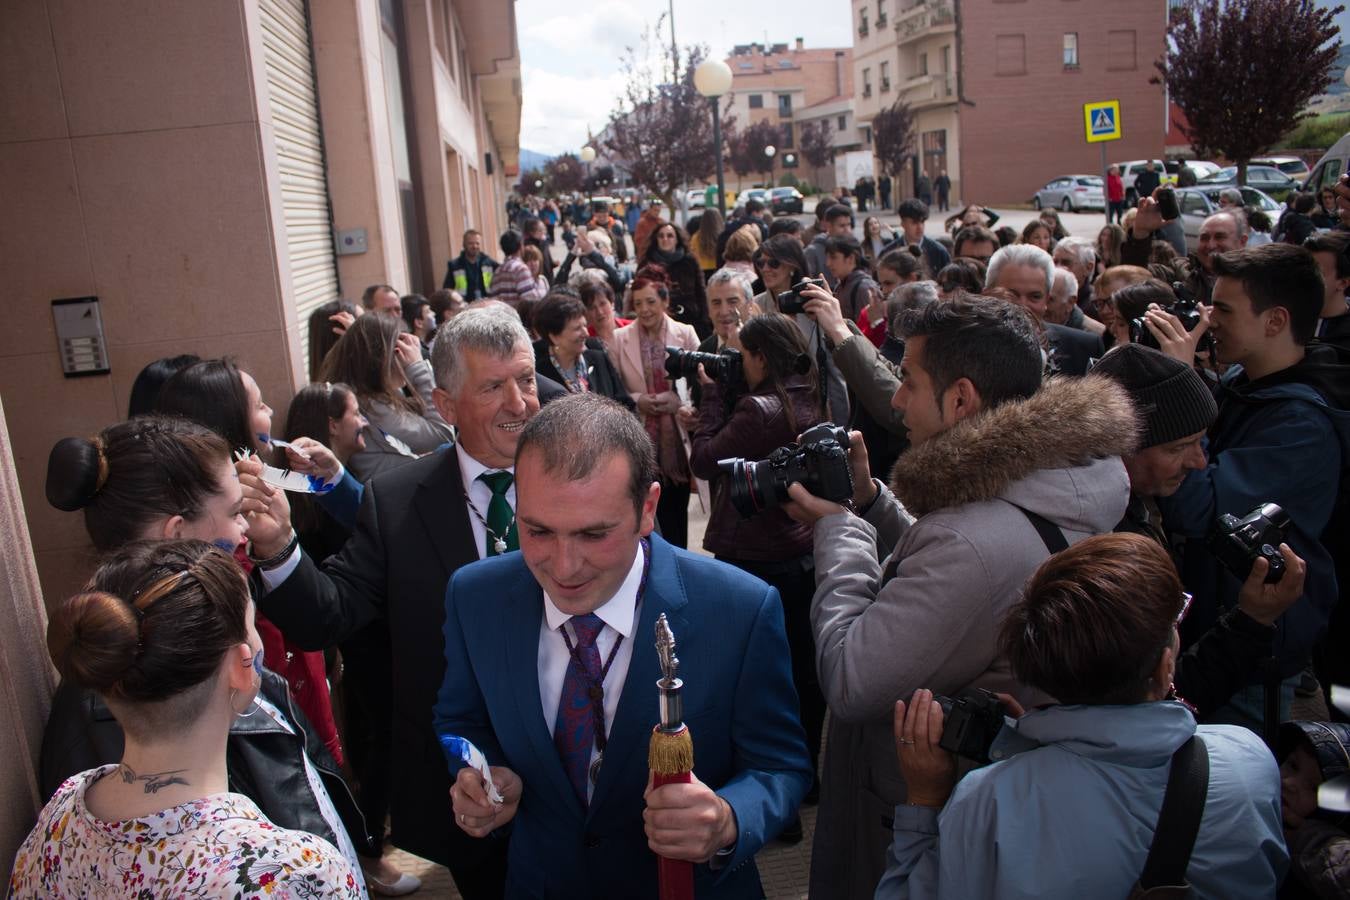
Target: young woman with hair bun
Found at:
x=164, y=634
x=156, y=478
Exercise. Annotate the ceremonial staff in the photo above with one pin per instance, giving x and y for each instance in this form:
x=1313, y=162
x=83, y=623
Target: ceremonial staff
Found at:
x=670, y=756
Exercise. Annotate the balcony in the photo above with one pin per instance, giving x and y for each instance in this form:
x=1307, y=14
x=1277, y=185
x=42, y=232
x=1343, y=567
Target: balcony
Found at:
x=881, y=20
x=924, y=20
x=923, y=91
x=862, y=30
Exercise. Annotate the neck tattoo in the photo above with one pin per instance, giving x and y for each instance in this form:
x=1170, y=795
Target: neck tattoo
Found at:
x=153, y=782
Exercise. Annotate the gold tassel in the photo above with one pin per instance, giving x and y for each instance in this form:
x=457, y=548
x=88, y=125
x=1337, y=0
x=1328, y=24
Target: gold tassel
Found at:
x=671, y=754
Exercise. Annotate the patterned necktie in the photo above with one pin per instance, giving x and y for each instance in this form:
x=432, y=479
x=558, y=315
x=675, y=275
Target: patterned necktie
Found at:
x=574, y=729
x=501, y=520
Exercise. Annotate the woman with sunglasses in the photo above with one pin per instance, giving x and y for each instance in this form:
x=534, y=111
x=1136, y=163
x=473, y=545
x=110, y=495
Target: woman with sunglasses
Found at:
x=781, y=264
x=164, y=633
x=1096, y=629
x=669, y=248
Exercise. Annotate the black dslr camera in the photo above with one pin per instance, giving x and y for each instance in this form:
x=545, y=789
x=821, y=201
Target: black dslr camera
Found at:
x=790, y=302
x=970, y=723
x=723, y=368
x=819, y=461
x=1185, y=308
x=1238, y=542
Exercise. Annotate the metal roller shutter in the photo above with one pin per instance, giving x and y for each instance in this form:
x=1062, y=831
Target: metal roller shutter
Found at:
x=294, y=102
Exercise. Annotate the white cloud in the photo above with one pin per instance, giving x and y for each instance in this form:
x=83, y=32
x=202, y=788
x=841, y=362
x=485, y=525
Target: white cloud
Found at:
x=571, y=61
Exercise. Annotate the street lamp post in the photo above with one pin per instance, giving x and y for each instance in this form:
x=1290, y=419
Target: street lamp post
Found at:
x=712, y=79
x=769, y=151
x=588, y=157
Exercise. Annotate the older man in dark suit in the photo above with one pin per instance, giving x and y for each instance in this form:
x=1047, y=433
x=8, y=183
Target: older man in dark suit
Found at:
x=416, y=527
x=1025, y=274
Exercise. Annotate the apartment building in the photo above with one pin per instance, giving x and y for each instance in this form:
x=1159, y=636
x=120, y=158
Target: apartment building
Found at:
x=780, y=84
x=997, y=86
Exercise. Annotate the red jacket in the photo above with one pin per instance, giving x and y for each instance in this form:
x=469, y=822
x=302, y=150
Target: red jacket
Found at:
x=1115, y=188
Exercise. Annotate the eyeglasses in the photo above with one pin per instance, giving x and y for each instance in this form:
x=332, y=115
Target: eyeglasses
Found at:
x=1186, y=600
x=768, y=262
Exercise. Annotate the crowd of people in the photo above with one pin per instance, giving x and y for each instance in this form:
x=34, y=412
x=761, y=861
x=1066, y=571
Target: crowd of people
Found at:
x=973, y=583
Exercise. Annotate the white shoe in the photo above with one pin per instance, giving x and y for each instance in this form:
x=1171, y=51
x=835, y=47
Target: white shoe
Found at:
x=406, y=884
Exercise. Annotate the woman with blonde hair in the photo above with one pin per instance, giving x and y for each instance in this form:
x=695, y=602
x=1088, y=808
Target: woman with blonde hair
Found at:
x=739, y=252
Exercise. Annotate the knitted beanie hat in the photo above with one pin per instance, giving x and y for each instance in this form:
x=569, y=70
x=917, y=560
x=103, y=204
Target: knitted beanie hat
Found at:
x=1171, y=399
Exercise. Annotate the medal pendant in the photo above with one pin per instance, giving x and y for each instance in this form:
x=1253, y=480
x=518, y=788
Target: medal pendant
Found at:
x=499, y=545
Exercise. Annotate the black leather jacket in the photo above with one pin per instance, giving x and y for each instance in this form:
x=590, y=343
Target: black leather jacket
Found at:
x=264, y=762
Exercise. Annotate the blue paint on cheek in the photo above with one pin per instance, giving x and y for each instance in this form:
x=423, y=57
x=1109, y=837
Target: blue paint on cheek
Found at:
x=258, y=662
x=225, y=545
x=264, y=438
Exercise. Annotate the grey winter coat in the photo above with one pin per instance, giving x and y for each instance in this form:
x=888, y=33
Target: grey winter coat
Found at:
x=961, y=551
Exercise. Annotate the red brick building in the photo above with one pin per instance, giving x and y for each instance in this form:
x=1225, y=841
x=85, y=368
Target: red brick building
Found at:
x=1010, y=115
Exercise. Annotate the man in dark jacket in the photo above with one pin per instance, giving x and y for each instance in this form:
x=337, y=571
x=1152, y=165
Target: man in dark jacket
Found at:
x=471, y=272
x=1175, y=409
x=838, y=223
x=1279, y=438
x=1332, y=252
x=1026, y=274
x=1224, y=231
x=913, y=217
x=1147, y=181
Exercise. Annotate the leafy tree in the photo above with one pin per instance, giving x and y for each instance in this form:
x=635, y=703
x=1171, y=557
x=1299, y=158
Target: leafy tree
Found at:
x=817, y=146
x=661, y=126
x=564, y=174
x=893, y=132
x=746, y=148
x=525, y=187
x=1244, y=71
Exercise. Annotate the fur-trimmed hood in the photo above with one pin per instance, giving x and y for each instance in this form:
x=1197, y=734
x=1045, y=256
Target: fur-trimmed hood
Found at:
x=1067, y=424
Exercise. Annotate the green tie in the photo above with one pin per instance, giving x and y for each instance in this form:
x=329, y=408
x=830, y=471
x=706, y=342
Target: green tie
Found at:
x=501, y=520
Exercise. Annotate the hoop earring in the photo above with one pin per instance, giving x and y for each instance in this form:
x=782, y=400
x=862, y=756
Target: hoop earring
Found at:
x=253, y=706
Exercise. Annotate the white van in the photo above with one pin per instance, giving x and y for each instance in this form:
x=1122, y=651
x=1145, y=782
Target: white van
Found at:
x=1330, y=167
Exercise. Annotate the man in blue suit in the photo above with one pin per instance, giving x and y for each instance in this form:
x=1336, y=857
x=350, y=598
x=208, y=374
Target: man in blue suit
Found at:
x=551, y=671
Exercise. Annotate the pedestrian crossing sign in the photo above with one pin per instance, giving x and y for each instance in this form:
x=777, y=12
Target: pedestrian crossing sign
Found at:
x=1102, y=120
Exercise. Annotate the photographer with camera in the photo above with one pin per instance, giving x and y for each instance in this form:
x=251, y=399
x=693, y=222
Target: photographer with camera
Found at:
x=1002, y=470
x=1224, y=231
x=759, y=537
x=783, y=268
x=1281, y=436
x=1097, y=630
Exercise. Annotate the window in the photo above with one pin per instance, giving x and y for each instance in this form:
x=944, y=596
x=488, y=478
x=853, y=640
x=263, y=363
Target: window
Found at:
x=785, y=105
x=867, y=134
x=1070, y=49
x=885, y=77
x=947, y=58
x=756, y=101
x=1194, y=205
x=1010, y=54
x=881, y=13
x=1120, y=51
x=867, y=82
x=923, y=64
x=786, y=129
x=862, y=27
x=842, y=123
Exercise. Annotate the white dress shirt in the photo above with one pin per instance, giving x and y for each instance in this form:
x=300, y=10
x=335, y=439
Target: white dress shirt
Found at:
x=620, y=614
x=480, y=495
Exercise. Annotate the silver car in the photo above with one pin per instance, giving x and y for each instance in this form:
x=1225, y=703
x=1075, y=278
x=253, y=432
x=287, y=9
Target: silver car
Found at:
x=1199, y=203
x=1071, y=193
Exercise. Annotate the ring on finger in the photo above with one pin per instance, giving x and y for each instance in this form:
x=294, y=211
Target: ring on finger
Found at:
x=906, y=741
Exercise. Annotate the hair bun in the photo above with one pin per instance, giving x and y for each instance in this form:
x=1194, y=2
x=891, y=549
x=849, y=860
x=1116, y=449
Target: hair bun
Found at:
x=92, y=640
x=76, y=470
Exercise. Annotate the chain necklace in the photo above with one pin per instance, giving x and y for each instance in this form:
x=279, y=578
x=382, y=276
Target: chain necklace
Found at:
x=498, y=540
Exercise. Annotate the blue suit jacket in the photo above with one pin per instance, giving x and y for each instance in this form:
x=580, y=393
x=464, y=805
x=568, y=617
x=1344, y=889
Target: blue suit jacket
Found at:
x=739, y=703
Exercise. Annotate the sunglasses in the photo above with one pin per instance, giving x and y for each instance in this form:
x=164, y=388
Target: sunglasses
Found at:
x=768, y=262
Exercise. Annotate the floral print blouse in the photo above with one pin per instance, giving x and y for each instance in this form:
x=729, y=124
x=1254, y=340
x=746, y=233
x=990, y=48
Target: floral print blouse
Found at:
x=218, y=846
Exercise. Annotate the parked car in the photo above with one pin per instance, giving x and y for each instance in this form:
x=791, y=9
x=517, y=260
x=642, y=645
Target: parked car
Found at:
x=760, y=194
x=1071, y=193
x=1201, y=168
x=695, y=198
x=1292, y=166
x=1267, y=180
x=1333, y=164
x=785, y=200
x=1201, y=202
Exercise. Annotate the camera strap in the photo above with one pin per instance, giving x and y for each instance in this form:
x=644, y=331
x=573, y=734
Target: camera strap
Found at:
x=1183, y=806
x=1050, y=533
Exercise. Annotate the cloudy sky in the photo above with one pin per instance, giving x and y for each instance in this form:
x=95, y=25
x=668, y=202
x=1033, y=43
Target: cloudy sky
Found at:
x=570, y=53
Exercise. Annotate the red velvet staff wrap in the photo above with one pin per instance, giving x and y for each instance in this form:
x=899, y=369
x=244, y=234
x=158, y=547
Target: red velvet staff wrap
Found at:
x=670, y=756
